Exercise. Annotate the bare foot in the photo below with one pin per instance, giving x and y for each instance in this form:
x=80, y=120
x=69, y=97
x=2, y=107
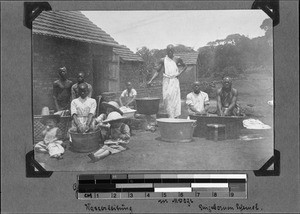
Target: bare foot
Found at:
x=59, y=157
x=92, y=157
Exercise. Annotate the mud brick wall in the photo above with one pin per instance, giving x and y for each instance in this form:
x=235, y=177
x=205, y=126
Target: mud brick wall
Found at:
x=51, y=53
x=130, y=72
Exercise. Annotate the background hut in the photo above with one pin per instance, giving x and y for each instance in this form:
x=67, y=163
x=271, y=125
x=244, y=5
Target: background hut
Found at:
x=70, y=39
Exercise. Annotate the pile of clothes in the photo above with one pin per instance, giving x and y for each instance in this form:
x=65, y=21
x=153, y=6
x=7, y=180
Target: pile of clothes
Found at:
x=255, y=124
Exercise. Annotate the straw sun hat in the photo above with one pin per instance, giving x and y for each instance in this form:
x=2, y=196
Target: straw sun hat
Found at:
x=46, y=116
x=113, y=116
x=114, y=105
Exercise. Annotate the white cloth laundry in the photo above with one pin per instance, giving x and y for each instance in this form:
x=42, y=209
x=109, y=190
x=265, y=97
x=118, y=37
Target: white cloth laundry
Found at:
x=255, y=124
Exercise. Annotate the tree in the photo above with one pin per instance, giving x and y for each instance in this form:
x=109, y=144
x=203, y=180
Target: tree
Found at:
x=149, y=63
x=182, y=48
x=267, y=27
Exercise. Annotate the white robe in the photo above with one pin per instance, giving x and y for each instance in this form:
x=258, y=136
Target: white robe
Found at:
x=171, y=88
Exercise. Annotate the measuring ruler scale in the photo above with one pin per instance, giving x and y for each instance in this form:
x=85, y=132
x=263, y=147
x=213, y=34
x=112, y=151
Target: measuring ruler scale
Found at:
x=147, y=186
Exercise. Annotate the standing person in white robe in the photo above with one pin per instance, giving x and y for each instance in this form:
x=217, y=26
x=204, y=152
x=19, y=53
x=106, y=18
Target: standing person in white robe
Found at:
x=170, y=86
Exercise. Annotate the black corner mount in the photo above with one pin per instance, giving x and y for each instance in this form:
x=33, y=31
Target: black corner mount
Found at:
x=275, y=160
x=270, y=7
x=32, y=10
x=34, y=169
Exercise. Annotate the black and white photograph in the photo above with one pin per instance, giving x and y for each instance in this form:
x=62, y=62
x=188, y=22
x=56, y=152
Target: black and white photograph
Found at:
x=150, y=106
x=152, y=90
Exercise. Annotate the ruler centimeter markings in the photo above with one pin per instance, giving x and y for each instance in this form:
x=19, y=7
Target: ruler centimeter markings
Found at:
x=153, y=186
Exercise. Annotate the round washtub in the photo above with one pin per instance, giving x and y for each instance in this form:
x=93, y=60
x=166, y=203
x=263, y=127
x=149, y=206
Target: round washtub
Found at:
x=147, y=105
x=85, y=142
x=176, y=130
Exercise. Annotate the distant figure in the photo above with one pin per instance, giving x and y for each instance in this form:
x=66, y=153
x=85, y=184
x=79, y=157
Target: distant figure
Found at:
x=62, y=91
x=83, y=111
x=52, y=142
x=116, y=139
x=171, y=87
x=226, y=99
x=75, y=90
x=197, y=101
x=128, y=96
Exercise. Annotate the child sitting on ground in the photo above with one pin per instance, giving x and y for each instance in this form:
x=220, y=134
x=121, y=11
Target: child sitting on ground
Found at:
x=52, y=142
x=119, y=133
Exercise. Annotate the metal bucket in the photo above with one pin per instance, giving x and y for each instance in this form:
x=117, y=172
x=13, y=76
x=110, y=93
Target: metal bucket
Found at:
x=85, y=142
x=176, y=130
x=147, y=105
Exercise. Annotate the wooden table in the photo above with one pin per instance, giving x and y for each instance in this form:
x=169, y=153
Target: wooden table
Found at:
x=233, y=124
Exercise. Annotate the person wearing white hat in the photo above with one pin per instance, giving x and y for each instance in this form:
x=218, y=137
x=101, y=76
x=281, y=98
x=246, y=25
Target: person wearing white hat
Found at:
x=118, y=135
x=52, y=142
x=109, y=107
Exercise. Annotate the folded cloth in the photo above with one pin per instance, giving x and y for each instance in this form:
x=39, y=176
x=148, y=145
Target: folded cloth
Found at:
x=255, y=124
x=248, y=138
x=63, y=113
x=117, y=141
x=114, y=148
x=125, y=109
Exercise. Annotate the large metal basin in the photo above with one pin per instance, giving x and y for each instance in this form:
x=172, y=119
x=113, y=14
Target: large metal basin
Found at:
x=176, y=130
x=85, y=142
x=147, y=105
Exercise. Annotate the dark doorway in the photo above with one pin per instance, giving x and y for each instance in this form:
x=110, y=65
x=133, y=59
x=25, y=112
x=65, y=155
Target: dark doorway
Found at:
x=100, y=79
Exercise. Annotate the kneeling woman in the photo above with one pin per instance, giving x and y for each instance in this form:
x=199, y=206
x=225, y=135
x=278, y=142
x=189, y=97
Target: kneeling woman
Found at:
x=116, y=139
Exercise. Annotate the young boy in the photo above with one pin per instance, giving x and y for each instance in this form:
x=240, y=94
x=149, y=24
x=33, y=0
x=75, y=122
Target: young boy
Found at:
x=52, y=142
x=109, y=107
x=119, y=133
x=128, y=96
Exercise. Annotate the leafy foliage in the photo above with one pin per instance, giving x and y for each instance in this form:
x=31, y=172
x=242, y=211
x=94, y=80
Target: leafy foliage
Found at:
x=230, y=56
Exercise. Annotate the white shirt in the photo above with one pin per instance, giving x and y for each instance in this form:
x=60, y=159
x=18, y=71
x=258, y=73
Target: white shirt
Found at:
x=198, y=101
x=83, y=107
x=131, y=94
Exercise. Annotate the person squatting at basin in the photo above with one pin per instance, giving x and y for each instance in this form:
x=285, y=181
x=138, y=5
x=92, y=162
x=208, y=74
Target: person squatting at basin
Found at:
x=227, y=99
x=83, y=111
x=115, y=139
x=52, y=142
x=128, y=96
x=75, y=87
x=170, y=85
x=197, y=101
